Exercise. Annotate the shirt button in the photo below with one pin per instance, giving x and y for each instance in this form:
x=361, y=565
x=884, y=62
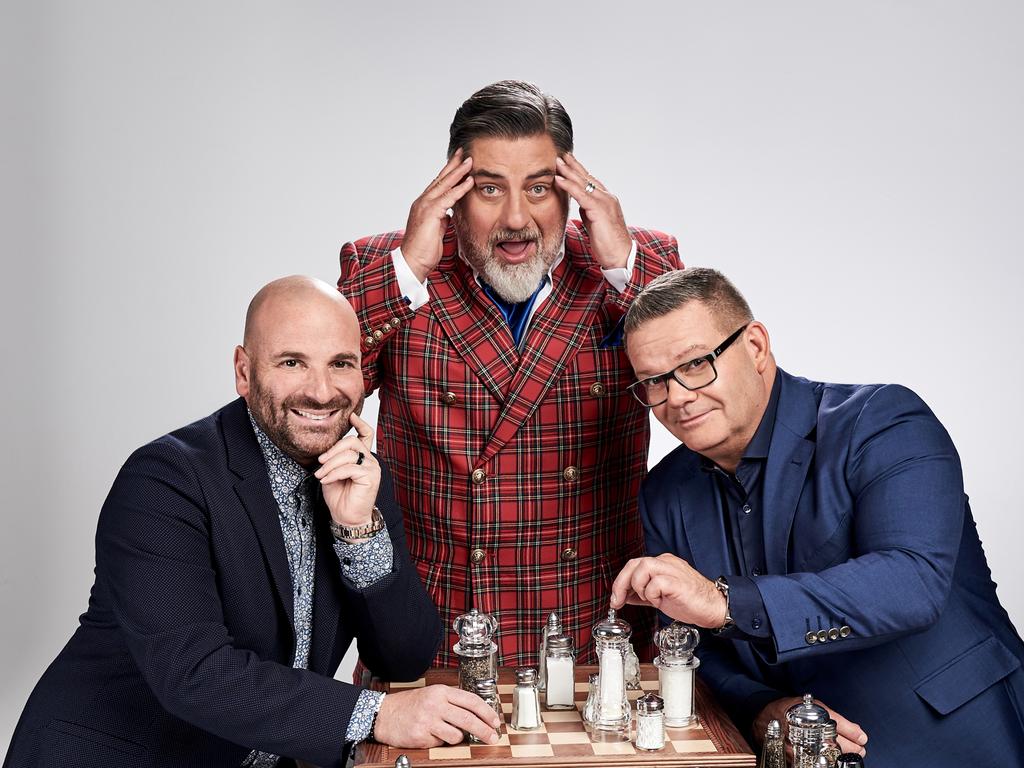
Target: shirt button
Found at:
x=811, y=638
x=756, y=623
x=478, y=476
x=756, y=572
x=449, y=398
x=571, y=474
x=477, y=555
x=597, y=389
x=377, y=335
x=746, y=509
x=369, y=341
x=568, y=554
x=386, y=327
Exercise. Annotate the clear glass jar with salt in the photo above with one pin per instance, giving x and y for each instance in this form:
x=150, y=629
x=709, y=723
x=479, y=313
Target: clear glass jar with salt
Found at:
x=611, y=642
x=650, y=722
x=526, y=700
x=561, y=673
x=676, y=666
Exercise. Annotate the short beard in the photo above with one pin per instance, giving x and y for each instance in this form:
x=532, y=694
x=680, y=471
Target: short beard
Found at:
x=513, y=282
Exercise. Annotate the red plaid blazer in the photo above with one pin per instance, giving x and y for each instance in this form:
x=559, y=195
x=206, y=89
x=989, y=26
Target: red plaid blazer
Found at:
x=518, y=473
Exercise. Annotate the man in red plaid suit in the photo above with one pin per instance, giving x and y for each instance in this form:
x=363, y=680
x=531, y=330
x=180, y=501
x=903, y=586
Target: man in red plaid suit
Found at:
x=493, y=338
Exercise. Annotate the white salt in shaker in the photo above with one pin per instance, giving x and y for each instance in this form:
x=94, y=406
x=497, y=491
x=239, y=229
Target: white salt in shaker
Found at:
x=526, y=700
x=561, y=674
x=676, y=666
x=650, y=722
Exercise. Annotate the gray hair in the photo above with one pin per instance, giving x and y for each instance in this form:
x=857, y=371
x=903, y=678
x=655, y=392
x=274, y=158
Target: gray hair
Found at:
x=510, y=109
x=673, y=290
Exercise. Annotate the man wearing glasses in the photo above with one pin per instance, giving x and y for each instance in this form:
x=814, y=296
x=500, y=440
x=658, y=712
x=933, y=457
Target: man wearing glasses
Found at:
x=800, y=520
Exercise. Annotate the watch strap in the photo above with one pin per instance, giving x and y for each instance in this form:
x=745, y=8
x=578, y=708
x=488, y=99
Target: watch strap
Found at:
x=375, y=526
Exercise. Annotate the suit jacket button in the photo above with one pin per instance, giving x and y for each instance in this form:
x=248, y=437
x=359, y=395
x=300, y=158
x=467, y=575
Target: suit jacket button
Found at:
x=597, y=389
x=386, y=327
x=478, y=476
x=822, y=636
x=449, y=398
x=755, y=623
x=833, y=633
x=477, y=555
x=568, y=554
x=369, y=341
x=378, y=335
x=811, y=638
x=844, y=631
x=395, y=322
x=571, y=474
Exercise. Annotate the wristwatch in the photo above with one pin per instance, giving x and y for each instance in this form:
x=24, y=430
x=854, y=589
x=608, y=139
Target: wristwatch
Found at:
x=376, y=525
x=723, y=586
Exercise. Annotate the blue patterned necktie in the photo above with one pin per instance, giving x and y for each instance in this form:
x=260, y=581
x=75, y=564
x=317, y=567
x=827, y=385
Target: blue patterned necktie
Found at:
x=516, y=314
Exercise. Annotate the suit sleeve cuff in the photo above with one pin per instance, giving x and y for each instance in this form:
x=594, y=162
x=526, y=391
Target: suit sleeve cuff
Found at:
x=750, y=619
x=617, y=277
x=413, y=290
x=360, y=725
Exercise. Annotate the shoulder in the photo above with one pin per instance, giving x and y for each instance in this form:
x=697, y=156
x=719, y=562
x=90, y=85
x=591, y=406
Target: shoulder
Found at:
x=376, y=245
x=660, y=242
x=674, y=470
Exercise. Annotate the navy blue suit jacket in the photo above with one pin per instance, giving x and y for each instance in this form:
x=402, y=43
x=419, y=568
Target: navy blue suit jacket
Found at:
x=866, y=525
x=183, y=657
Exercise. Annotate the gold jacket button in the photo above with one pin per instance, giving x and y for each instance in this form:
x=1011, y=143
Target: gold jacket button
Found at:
x=478, y=476
x=833, y=633
x=822, y=636
x=568, y=554
x=449, y=398
x=844, y=631
x=395, y=322
x=571, y=474
x=597, y=389
x=378, y=335
x=369, y=341
x=811, y=638
x=477, y=555
x=386, y=327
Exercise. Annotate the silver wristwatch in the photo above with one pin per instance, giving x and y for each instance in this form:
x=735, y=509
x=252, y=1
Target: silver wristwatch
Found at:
x=376, y=525
x=723, y=586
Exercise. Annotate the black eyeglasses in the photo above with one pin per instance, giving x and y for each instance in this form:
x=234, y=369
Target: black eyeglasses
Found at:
x=691, y=375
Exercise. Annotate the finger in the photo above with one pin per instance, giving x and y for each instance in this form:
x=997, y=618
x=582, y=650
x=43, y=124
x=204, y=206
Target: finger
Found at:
x=363, y=430
x=447, y=734
x=850, y=746
x=588, y=201
x=633, y=599
x=847, y=728
x=472, y=703
x=621, y=585
x=453, y=162
x=577, y=168
x=456, y=193
x=348, y=445
x=449, y=180
x=349, y=472
x=347, y=459
x=470, y=723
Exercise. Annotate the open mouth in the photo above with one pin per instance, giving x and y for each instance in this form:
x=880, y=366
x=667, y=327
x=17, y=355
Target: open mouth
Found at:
x=516, y=251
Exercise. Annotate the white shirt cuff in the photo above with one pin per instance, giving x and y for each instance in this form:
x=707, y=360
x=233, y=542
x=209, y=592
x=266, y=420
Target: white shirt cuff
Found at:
x=411, y=287
x=617, y=277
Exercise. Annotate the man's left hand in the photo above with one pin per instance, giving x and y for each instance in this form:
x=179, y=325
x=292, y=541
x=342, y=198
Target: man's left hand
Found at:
x=674, y=587
x=610, y=241
x=350, y=483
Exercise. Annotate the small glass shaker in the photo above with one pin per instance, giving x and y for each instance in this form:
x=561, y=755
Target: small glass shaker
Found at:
x=632, y=669
x=829, y=745
x=553, y=626
x=487, y=689
x=850, y=760
x=650, y=722
x=773, y=751
x=611, y=638
x=561, y=669
x=476, y=649
x=526, y=700
x=806, y=731
x=676, y=667
x=590, y=708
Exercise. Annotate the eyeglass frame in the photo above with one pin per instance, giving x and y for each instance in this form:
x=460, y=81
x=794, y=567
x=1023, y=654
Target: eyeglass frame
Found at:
x=710, y=358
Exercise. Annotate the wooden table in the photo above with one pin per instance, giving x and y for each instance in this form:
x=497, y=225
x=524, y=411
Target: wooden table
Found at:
x=563, y=740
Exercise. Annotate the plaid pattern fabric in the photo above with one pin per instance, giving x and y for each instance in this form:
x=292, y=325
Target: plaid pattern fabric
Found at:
x=518, y=473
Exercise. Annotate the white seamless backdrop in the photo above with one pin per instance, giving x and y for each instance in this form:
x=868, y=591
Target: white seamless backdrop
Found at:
x=855, y=167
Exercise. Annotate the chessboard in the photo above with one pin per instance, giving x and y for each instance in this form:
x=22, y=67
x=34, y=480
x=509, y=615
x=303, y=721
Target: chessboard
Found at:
x=563, y=739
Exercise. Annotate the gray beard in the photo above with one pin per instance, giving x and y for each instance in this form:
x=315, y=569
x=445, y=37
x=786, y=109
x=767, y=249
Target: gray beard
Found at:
x=512, y=282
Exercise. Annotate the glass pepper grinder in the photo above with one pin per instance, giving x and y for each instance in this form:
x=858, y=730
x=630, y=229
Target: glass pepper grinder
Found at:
x=650, y=722
x=611, y=638
x=561, y=669
x=526, y=700
x=487, y=689
x=553, y=626
x=773, y=751
x=676, y=666
x=590, y=707
x=476, y=649
x=829, y=744
x=806, y=731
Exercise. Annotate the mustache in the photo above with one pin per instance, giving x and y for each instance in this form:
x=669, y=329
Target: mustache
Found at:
x=308, y=404
x=513, y=235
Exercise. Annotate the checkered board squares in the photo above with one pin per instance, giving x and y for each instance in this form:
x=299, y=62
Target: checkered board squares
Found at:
x=562, y=738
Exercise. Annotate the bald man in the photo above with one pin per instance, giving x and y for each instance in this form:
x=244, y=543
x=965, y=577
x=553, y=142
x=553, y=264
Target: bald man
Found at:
x=236, y=559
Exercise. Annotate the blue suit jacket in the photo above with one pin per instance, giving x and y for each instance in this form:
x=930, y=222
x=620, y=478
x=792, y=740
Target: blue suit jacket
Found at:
x=866, y=525
x=183, y=657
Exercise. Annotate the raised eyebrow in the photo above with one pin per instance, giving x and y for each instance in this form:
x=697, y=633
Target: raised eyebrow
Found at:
x=542, y=174
x=346, y=357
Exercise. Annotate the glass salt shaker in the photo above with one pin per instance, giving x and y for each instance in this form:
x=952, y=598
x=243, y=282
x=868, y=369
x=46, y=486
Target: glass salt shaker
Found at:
x=676, y=667
x=476, y=649
x=590, y=708
x=487, y=689
x=632, y=669
x=561, y=673
x=553, y=626
x=611, y=638
x=829, y=745
x=650, y=722
x=806, y=731
x=526, y=700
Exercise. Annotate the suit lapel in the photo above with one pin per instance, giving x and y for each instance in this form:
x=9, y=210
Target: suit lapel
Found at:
x=555, y=335
x=253, y=489
x=473, y=325
x=702, y=523
x=789, y=461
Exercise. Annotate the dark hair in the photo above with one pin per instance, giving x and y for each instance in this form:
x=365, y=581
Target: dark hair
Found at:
x=672, y=290
x=510, y=109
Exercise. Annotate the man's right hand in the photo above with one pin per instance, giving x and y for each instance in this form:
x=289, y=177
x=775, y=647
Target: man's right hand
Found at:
x=428, y=217
x=435, y=715
x=851, y=737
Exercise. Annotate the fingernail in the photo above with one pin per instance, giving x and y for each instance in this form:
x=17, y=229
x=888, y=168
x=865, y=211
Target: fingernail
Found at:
x=560, y=160
x=493, y=738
